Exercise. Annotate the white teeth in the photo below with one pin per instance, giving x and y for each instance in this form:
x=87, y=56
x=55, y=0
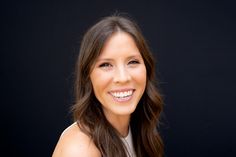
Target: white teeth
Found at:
x=122, y=94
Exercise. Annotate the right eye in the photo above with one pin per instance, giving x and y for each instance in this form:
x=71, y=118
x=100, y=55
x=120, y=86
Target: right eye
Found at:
x=105, y=66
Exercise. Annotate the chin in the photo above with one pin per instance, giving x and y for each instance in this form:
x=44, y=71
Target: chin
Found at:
x=126, y=111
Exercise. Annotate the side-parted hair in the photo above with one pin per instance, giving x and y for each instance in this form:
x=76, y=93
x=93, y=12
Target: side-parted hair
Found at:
x=87, y=110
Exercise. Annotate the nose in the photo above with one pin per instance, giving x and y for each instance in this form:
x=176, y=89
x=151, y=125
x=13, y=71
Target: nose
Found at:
x=121, y=75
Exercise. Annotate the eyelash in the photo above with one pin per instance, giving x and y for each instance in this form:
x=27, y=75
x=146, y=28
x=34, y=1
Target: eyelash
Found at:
x=106, y=65
x=134, y=62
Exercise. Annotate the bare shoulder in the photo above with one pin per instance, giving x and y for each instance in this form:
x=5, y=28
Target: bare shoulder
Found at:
x=74, y=143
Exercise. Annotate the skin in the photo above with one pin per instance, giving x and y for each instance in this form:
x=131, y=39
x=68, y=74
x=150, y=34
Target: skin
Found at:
x=119, y=69
x=74, y=143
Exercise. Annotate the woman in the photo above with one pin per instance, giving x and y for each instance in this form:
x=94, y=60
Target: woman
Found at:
x=117, y=104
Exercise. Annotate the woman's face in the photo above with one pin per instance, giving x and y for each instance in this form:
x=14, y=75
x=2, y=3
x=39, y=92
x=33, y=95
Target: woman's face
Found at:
x=119, y=76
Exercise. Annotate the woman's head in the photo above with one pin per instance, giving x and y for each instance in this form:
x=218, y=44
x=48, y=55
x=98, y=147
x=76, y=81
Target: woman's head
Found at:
x=118, y=77
x=93, y=44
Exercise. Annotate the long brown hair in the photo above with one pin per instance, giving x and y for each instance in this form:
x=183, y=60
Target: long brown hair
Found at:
x=87, y=109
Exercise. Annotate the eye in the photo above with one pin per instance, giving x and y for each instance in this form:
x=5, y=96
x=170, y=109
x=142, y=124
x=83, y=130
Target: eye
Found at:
x=134, y=62
x=105, y=65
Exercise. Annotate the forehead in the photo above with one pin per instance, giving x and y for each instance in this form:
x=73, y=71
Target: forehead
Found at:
x=119, y=44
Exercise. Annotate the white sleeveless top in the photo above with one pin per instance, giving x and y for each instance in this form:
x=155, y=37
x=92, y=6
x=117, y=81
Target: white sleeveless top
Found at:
x=129, y=144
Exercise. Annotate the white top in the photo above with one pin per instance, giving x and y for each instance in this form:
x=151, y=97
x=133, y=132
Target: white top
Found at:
x=129, y=144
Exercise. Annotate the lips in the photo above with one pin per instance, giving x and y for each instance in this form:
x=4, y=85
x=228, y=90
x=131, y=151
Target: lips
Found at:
x=121, y=96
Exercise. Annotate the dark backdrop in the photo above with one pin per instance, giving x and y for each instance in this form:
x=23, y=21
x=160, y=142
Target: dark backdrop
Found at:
x=193, y=41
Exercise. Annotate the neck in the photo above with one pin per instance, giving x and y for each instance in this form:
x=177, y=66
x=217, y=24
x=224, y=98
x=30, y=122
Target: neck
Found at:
x=123, y=128
x=121, y=124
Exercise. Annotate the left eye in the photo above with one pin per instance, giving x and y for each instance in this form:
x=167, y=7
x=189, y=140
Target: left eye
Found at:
x=134, y=62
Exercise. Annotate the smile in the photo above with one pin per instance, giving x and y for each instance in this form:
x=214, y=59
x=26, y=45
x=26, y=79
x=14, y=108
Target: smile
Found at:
x=122, y=96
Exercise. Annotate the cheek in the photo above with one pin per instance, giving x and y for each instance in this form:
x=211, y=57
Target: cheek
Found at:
x=140, y=76
x=100, y=81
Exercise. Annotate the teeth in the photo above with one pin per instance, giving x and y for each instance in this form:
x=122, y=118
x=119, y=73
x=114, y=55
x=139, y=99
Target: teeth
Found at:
x=122, y=94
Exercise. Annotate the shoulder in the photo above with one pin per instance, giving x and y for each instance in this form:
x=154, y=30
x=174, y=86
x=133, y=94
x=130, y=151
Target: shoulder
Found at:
x=74, y=143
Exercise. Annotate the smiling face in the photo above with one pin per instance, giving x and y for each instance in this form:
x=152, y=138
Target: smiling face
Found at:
x=119, y=76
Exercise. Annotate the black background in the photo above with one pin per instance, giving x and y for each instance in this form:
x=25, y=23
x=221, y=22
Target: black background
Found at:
x=193, y=42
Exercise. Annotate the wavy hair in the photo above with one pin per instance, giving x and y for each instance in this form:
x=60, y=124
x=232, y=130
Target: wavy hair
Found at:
x=87, y=109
